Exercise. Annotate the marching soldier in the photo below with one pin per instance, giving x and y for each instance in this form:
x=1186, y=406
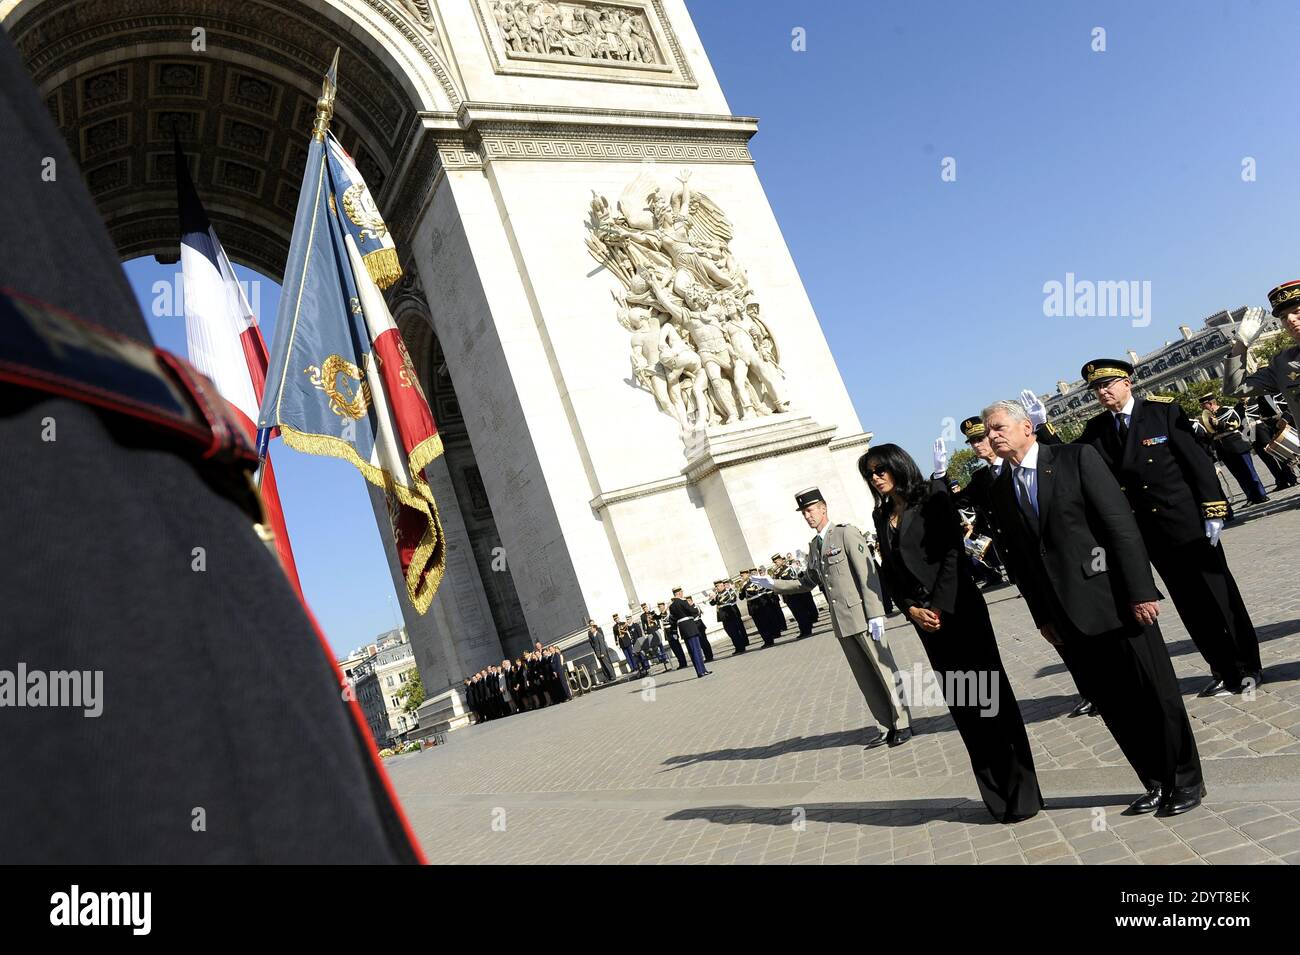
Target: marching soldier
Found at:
x=1147, y=443
x=802, y=606
x=724, y=599
x=838, y=562
x=1224, y=428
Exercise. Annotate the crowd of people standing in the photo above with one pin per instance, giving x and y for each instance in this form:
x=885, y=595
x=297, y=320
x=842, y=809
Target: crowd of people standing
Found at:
x=534, y=679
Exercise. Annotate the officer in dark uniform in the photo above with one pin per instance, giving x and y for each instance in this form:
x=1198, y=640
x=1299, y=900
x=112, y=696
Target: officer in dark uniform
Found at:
x=802, y=606
x=1148, y=445
x=100, y=576
x=1224, y=428
x=724, y=600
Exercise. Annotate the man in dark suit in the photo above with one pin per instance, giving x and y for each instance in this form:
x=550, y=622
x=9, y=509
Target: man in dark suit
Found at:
x=976, y=495
x=1148, y=445
x=1082, y=567
x=596, y=639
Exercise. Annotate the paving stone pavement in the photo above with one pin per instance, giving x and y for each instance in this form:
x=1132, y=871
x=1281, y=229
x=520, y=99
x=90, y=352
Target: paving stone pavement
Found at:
x=763, y=762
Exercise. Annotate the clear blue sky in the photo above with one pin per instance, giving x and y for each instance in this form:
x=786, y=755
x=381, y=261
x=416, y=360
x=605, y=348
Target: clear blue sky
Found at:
x=1120, y=165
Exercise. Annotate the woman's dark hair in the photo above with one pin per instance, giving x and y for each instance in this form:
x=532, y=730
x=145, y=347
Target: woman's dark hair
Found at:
x=911, y=484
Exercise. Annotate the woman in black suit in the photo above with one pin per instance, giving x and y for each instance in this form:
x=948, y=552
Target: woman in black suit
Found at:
x=924, y=567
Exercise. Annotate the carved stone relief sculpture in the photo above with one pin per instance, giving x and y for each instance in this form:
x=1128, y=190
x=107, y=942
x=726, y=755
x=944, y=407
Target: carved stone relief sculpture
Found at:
x=700, y=342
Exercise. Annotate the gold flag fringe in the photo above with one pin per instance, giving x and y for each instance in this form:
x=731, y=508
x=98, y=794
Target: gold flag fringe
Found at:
x=429, y=562
x=383, y=266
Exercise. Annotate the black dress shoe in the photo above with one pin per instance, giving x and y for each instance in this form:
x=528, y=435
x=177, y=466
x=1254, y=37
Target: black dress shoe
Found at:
x=1149, y=801
x=1084, y=708
x=1254, y=679
x=1178, y=801
x=1215, y=687
x=898, y=737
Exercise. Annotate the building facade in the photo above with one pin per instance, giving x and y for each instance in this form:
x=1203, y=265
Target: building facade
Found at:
x=1171, y=369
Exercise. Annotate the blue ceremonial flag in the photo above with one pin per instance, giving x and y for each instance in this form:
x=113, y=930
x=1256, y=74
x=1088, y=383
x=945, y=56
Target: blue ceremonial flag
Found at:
x=340, y=381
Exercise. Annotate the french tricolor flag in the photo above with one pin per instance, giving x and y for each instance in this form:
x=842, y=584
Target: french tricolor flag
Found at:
x=224, y=340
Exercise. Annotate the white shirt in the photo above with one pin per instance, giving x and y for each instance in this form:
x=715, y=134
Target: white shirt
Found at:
x=1026, y=475
x=1124, y=414
x=997, y=467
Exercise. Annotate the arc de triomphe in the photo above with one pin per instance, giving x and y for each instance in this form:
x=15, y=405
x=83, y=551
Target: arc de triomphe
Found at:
x=628, y=375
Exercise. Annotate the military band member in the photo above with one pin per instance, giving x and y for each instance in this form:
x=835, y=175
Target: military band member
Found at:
x=650, y=626
x=627, y=643
x=758, y=602
x=1224, y=428
x=725, y=600
x=838, y=562
x=670, y=632
x=1269, y=422
x=1081, y=565
x=1147, y=443
x=1282, y=374
x=802, y=606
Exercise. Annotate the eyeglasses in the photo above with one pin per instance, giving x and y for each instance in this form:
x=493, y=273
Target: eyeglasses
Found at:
x=877, y=471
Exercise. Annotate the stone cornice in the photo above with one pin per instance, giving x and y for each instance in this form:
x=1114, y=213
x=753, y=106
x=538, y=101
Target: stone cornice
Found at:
x=729, y=445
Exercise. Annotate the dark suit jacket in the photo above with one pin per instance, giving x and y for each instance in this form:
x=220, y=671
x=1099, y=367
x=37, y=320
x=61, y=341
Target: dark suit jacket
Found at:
x=1087, y=563
x=1169, y=482
x=929, y=547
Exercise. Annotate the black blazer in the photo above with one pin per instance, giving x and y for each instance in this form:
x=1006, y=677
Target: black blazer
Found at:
x=929, y=547
x=1087, y=560
x=1169, y=482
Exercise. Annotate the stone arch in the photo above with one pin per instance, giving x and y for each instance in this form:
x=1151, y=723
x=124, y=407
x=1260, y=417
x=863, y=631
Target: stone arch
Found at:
x=121, y=76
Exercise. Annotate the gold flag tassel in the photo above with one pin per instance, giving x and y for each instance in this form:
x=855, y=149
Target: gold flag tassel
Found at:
x=383, y=266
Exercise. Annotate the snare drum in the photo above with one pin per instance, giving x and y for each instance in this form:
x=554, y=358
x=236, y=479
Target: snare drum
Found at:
x=1286, y=446
x=977, y=547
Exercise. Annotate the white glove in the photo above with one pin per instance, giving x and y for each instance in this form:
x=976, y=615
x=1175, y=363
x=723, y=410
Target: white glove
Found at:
x=1213, y=528
x=758, y=580
x=1036, y=410
x=940, y=457
x=877, y=627
x=1247, y=330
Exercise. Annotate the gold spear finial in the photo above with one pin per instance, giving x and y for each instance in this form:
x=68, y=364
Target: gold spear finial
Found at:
x=325, y=105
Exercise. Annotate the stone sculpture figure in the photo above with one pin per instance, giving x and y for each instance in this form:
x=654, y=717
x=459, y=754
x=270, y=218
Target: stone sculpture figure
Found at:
x=717, y=361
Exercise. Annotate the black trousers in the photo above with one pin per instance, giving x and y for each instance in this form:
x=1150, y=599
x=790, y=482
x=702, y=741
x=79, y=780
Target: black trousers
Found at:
x=735, y=628
x=1128, y=676
x=804, y=610
x=964, y=656
x=1206, y=596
